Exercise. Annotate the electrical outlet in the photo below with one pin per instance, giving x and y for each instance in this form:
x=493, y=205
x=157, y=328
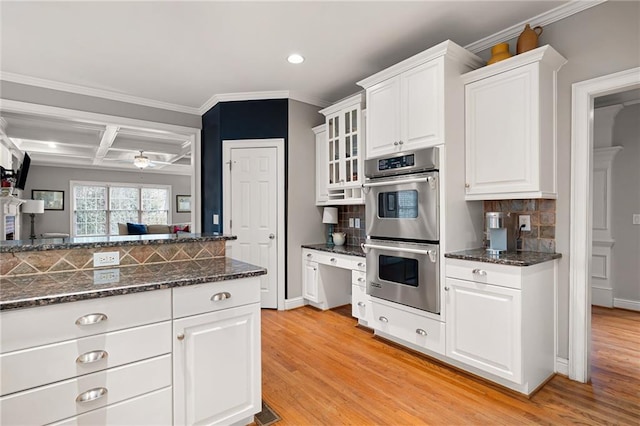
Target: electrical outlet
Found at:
x=111, y=258
x=525, y=220
x=216, y=219
x=636, y=219
x=106, y=276
x=350, y=222
x=357, y=222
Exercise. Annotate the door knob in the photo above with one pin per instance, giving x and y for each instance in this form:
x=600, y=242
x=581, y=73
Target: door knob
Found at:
x=272, y=236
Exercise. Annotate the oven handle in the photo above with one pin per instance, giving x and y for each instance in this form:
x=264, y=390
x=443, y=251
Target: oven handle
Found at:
x=432, y=253
x=429, y=179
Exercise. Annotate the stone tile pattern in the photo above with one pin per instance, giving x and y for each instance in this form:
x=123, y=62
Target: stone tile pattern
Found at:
x=355, y=236
x=542, y=237
x=525, y=258
x=348, y=250
x=79, y=259
x=25, y=291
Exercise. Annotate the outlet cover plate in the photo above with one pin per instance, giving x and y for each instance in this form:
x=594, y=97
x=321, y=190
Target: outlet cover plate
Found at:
x=350, y=222
x=110, y=258
x=525, y=219
x=357, y=222
x=106, y=276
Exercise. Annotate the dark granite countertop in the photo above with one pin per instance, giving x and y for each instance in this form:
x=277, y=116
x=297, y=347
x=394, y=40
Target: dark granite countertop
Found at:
x=350, y=250
x=45, y=289
x=523, y=258
x=107, y=241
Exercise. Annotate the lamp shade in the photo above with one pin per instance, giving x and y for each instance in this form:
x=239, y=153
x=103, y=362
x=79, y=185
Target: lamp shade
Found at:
x=330, y=215
x=33, y=206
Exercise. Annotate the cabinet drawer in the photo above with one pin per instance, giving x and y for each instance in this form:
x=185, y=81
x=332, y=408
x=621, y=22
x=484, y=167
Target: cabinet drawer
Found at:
x=415, y=329
x=360, y=303
x=41, y=365
x=359, y=278
x=151, y=409
x=214, y=296
x=486, y=273
x=360, y=264
x=58, y=401
x=25, y=328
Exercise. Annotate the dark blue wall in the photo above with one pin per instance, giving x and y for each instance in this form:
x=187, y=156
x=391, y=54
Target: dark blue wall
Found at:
x=235, y=120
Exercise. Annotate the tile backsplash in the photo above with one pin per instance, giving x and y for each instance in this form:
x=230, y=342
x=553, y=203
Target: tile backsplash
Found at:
x=542, y=236
x=355, y=236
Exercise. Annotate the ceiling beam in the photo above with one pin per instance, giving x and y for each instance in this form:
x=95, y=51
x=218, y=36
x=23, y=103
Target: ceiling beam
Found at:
x=108, y=137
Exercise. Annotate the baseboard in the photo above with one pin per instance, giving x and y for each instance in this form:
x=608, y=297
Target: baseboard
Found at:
x=296, y=302
x=562, y=366
x=632, y=305
x=602, y=297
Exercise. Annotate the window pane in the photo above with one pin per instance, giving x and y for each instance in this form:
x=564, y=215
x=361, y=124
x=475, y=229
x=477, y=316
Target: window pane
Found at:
x=90, y=210
x=155, y=206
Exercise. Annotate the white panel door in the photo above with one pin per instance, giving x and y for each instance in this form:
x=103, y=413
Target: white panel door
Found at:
x=422, y=106
x=383, y=118
x=254, y=214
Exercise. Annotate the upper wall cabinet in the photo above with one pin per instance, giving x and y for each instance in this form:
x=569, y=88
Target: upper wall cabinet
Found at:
x=407, y=106
x=510, y=123
x=339, y=165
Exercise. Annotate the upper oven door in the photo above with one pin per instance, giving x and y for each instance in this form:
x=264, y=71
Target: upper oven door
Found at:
x=403, y=207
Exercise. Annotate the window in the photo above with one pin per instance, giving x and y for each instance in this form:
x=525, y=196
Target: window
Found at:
x=99, y=207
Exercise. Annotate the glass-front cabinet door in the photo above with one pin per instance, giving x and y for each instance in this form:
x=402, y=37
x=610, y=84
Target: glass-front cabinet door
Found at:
x=344, y=139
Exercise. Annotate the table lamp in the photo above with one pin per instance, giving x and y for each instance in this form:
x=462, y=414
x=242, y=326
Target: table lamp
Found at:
x=33, y=207
x=330, y=216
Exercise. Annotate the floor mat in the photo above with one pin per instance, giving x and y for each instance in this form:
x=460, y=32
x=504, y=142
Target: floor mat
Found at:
x=267, y=416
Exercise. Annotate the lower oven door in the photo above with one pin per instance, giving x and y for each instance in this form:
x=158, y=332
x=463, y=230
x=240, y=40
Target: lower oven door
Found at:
x=405, y=273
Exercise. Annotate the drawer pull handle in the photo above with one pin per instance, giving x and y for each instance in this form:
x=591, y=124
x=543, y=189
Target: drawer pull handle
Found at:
x=91, y=357
x=333, y=259
x=309, y=255
x=90, y=319
x=180, y=336
x=361, y=265
x=221, y=296
x=480, y=272
x=421, y=332
x=383, y=319
x=361, y=304
x=91, y=395
x=361, y=280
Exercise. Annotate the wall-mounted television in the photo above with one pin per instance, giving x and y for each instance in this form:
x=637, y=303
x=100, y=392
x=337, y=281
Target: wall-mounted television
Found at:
x=21, y=176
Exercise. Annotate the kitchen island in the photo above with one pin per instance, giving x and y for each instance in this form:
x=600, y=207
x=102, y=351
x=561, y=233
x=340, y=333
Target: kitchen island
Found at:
x=171, y=335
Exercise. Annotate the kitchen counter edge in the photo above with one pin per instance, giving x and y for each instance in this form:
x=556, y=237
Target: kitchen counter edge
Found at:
x=347, y=250
x=524, y=258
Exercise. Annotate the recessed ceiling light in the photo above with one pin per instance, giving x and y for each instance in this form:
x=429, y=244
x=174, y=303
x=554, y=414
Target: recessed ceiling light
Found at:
x=295, y=59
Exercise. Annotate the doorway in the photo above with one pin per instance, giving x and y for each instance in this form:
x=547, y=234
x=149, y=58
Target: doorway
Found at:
x=253, y=210
x=583, y=95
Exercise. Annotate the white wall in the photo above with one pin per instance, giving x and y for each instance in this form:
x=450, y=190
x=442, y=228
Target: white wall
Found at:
x=626, y=201
x=57, y=178
x=598, y=41
x=304, y=220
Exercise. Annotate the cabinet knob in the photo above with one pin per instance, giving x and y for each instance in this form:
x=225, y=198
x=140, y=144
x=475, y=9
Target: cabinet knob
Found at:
x=361, y=265
x=90, y=357
x=360, y=280
x=91, y=395
x=333, y=259
x=224, y=295
x=466, y=185
x=400, y=142
x=480, y=272
x=90, y=319
x=395, y=143
x=383, y=319
x=180, y=336
x=446, y=289
x=421, y=332
x=309, y=255
x=361, y=304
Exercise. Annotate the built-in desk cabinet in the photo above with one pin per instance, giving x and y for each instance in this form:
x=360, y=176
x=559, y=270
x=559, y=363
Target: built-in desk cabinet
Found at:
x=500, y=319
x=510, y=123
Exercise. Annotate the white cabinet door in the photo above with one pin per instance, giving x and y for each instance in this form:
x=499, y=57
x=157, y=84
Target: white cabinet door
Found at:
x=502, y=152
x=422, y=102
x=484, y=327
x=310, y=281
x=383, y=118
x=216, y=366
x=322, y=173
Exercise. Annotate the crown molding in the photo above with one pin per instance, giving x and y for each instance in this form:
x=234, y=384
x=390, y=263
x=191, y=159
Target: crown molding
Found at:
x=97, y=93
x=546, y=18
x=256, y=96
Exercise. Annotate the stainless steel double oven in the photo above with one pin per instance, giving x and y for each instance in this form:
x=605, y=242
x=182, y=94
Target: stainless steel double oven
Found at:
x=402, y=216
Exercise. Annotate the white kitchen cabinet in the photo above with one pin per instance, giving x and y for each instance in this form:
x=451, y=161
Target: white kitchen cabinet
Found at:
x=71, y=358
x=510, y=123
x=360, y=300
x=322, y=173
x=499, y=320
x=216, y=354
x=310, y=280
x=407, y=105
x=339, y=164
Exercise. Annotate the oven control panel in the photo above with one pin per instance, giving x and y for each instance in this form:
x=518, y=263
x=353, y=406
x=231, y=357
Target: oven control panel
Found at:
x=402, y=163
x=408, y=160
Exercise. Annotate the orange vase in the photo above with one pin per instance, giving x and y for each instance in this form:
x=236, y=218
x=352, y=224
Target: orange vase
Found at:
x=499, y=52
x=528, y=39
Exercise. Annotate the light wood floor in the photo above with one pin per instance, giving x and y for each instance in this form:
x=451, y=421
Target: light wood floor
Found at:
x=320, y=369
